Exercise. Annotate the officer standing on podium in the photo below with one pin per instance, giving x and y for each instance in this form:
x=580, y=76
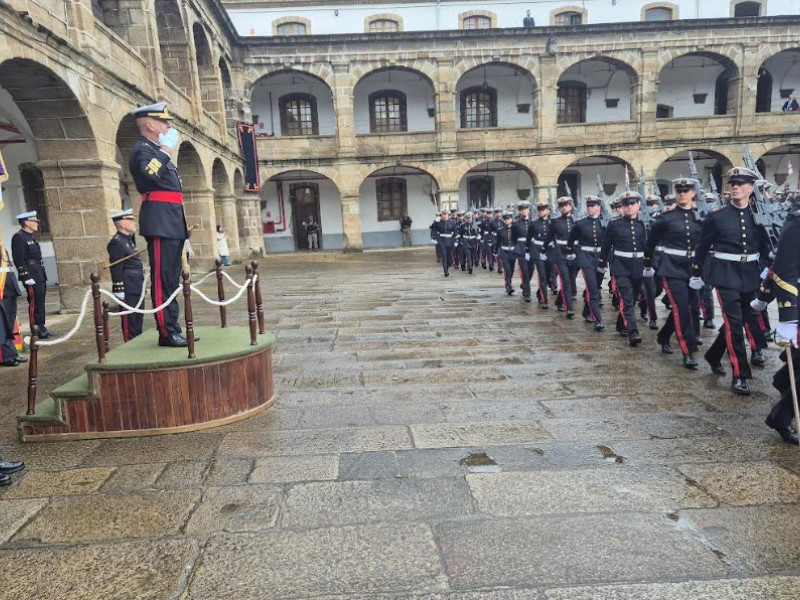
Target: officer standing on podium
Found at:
x=127, y=275
x=162, y=221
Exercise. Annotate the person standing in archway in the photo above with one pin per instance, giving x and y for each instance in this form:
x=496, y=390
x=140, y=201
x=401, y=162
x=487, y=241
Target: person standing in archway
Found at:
x=27, y=255
x=162, y=220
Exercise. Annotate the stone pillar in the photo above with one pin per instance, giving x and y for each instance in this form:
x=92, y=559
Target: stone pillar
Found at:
x=745, y=88
x=251, y=236
x=351, y=224
x=448, y=199
x=445, y=103
x=344, y=110
x=648, y=95
x=199, y=207
x=81, y=195
x=548, y=97
x=225, y=206
x=81, y=22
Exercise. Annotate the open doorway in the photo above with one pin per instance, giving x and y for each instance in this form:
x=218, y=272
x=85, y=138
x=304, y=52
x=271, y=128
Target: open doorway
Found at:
x=305, y=206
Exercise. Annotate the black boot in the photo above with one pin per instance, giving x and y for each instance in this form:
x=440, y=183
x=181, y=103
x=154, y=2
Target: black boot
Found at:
x=739, y=386
x=787, y=432
x=757, y=358
x=716, y=368
x=666, y=348
x=689, y=362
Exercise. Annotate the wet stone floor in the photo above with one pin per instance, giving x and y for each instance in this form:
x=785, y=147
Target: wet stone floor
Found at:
x=431, y=439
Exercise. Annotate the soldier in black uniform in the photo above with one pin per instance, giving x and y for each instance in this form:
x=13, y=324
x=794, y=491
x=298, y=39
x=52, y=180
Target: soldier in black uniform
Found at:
x=538, y=231
x=468, y=239
x=504, y=250
x=784, y=279
x=670, y=249
x=162, y=221
x=556, y=246
x=585, y=242
x=127, y=276
x=739, y=246
x=521, y=249
x=444, y=231
x=27, y=256
x=626, y=236
x=8, y=312
x=496, y=223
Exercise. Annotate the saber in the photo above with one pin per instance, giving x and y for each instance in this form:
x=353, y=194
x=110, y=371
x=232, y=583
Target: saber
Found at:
x=124, y=258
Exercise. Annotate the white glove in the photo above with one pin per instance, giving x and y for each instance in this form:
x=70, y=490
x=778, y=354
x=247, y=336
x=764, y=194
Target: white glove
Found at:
x=758, y=305
x=786, y=335
x=696, y=283
x=771, y=255
x=171, y=139
x=120, y=295
x=434, y=241
x=648, y=272
x=527, y=256
x=764, y=273
x=455, y=245
x=571, y=257
x=30, y=282
x=602, y=269
x=543, y=257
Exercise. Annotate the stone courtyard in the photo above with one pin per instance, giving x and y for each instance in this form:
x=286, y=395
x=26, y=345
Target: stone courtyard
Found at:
x=431, y=439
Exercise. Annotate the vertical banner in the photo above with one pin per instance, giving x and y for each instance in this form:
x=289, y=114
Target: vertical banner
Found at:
x=247, y=144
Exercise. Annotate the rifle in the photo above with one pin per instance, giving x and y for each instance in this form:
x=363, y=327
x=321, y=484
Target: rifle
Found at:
x=703, y=207
x=607, y=212
x=578, y=212
x=770, y=215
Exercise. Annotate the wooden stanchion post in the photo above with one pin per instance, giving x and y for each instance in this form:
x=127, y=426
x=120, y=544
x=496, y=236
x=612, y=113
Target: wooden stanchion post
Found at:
x=98, y=319
x=223, y=315
x=33, y=370
x=251, y=305
x=259, y=305
x=187, y=312
x=106, y=328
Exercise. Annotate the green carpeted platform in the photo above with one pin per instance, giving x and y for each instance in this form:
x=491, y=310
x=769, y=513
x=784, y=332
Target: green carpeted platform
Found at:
x=215, y=343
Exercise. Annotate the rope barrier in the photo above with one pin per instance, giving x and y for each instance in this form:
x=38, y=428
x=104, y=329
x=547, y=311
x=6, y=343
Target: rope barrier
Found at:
x=74, y=330
x=231, y=300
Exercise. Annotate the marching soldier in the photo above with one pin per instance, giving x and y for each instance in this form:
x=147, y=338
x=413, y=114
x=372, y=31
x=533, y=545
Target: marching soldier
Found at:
x=27, y=255
x=670, y=248
x=627, y=238
x=495, y=224
x=444, y=231
x=738, y=245
x=467, y=242
x=504, y=243
x=521, y=248
x=162, y=221
x=588, y=235
x=538, y=231
x=127, y=275
x=650, y=289
x=556, y=244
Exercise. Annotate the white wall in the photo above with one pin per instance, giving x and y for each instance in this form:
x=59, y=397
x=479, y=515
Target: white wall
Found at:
x=512, y=88
x=684, y=77
x=330, y=206
x=419, y=97
x=603, y=81
x=673, y=169
x=507, y=181
x=780, y=164
x=291, y=83
x=785, y=70
x=427, y=16
x=609, y=173
x=420, y=208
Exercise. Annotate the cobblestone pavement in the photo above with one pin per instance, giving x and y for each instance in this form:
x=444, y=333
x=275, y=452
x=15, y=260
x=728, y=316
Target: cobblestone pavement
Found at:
x=432, y=438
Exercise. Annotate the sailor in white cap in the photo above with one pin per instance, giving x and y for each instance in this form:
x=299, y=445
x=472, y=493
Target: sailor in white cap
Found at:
x=162, y=221
x=27, y=255
x=127, y=272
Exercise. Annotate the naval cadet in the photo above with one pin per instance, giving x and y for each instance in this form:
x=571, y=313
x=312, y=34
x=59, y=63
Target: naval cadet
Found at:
x=127, y=272
x=445, y=231
x=467, y=239
x=585, y=242
x=538, y=230
x=560, y=259
x=670, y=249
x=627, y=238
x=503, y=248
x=740, y=248
x=162, y=220
x=9, y=292
x=784, y=277
x=27, y=255
x=521, y=247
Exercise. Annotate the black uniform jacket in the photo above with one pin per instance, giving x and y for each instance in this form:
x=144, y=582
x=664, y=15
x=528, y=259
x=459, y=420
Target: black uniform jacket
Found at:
x=504, y=237
x=445, y=232
x=677, y=229
x=625, y=235
x=538, y=231
x=468, y=234
x=128, y=275
x=153, y=171
x=786, y=269
x=733, y=231
x=27, y=256
x=557, y=236
x=587, y=233
x=519, y=228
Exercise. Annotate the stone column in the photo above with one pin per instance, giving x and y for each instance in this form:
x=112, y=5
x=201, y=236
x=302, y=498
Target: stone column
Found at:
x=81, y=195
x=448, y=199
x=648, y=95
x=351, y=224
x=199, y=207
x=548, y=97
x=445, y=103
x=744, y=89
x=251, y=236
x=226, y=215
x=344, y=110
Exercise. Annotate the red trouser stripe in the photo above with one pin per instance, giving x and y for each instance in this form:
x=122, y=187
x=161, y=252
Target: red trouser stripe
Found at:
x=676, y=317
x=587, y=296
x=621, y=301
x=126, y=332
x=560, y=275
x=31, y=306
x=750, y=339
x=159, y=291
x=729, y=339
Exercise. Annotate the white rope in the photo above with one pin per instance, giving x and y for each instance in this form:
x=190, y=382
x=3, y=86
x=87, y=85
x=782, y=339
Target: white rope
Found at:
x=138, y=304
x=228, y=301
x=204, y=277
x=236, y=285
x=74, y=330
x=142, y=311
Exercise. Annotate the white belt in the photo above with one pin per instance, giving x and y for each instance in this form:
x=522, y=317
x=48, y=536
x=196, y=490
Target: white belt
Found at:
x=470, y=237
x=561, y=242
x=591, y=249
x=445, y=235
x=509, y=248
x=737, y=257
x=676, y=251
x=629, y=254
x=6, y=269
x=538, y=243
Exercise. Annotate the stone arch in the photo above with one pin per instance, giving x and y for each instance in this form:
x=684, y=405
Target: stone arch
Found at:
x=266, y=94
x=123, y=19
x=708, y=162
x=370, y=19
x=514, y=89
x=291, y=19
x=682, y=74
x=462, y=17
x=225, y=206
x=610, y=168
x=127, y=136
x=783, y=68
x=228, y=95
x=415, y=88
x=562, y=10
x=175, y=51
x=496, y=183
x=775, y=159
x=318, y=69
x=198, y=200
x=621, y=105
x=210, y=84
x=670, y=6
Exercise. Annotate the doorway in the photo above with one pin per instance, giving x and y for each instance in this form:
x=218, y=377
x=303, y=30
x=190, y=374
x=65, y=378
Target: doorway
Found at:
x=305, y=206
